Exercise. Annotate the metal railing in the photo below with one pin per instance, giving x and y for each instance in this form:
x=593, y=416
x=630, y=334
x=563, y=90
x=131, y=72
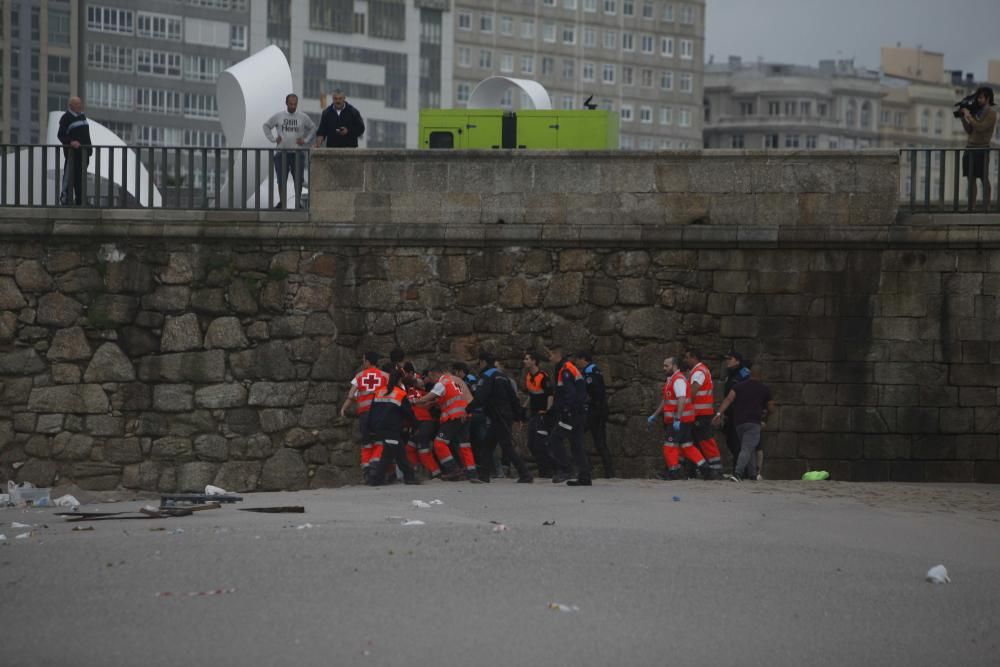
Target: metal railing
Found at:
x=175, y=177
x=933, y=180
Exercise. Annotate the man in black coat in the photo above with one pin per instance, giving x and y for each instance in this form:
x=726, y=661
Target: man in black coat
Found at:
x=495, y=395
x=74, y=135
x=341, y=124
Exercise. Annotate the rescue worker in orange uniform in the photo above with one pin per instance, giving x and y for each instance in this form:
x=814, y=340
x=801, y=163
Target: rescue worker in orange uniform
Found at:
x=537, y=386
x=363, y=389
x=568, y=414
x=420, y=445
x=389, y=412
x=677, y=409
x=452, y=397
x=700, y=379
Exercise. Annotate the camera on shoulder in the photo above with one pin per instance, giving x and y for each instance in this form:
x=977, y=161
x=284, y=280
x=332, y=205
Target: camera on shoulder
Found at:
x=967, y=102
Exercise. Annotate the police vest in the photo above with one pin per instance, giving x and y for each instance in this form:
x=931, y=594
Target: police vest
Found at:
x=535, y=386
x=703, y=397
x=670, y=400
x=368, y=382
x=573, y=370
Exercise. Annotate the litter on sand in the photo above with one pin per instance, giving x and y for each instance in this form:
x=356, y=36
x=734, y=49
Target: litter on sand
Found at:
x=66, y=501
x=557, y=606
x=215, y=491
x=287, y=509
x=938, y=575
x=816, y=476
x=421, y=504
x=548, y=523
x=17, y=524
x=412, y=522
x=677, y=499
x=23, y=536
x=3, y=538
x=500, y=528
x=437, y=502
x=80, y=529
x=304, y=526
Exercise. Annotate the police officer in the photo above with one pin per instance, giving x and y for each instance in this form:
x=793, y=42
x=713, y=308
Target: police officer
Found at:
x=479, y=423
x=596, y=419
x=539, y=390
x=494, y=395
x=568, y=408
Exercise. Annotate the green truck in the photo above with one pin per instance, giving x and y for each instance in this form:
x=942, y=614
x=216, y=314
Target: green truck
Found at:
x=576, y=129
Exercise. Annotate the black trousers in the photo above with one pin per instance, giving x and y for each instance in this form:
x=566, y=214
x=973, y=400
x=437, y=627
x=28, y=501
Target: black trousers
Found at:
x=285, y=163
x=74, y=171
x=393, y=452
x=571, y=425
x=499, y=433
x=597, y=424
x=538, y=444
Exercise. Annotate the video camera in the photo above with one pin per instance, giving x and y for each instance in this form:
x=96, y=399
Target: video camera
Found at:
x=967, y=102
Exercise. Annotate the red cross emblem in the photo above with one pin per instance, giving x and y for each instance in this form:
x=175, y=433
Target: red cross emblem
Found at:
x=370, y=381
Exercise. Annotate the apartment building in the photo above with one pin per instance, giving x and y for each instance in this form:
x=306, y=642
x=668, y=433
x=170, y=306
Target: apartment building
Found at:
x=38, y=65
x=641, y=58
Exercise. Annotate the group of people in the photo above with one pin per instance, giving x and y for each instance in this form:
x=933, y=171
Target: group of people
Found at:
x=450, y=421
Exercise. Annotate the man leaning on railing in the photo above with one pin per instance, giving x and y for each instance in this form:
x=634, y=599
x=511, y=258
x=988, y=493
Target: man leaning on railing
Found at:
x=976, y=161
x=74, y=135
x=296, y=132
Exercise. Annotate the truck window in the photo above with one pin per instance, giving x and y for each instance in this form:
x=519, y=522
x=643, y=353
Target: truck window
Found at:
x=442, y=140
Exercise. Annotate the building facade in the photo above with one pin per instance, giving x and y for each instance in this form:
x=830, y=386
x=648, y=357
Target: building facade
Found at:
x=642, y=58
x=38, y=65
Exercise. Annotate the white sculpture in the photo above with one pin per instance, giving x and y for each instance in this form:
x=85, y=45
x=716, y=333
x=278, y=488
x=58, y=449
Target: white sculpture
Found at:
x=488, y=93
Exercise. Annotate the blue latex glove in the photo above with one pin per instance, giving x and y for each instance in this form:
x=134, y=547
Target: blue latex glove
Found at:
x=677, y=424
x=651, y=419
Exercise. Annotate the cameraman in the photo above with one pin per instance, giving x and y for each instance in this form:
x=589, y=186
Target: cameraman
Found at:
x=979, y=125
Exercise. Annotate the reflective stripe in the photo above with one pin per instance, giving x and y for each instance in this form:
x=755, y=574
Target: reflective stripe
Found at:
x=391, y=442
x=670, y=401
x=452, y=404
x=568, y=366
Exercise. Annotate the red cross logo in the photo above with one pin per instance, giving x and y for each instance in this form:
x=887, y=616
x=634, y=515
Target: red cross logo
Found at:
x=370, y=381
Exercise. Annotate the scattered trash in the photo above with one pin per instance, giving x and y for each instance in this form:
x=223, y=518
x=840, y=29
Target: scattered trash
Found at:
x=548, y=523
x=412, y=522
x=938, y=575
x=421, y=504
x=27, y=494
x=437, y=502
x=175, y=531
x=198, y=594
x=500, y=528
x=556, y=606
x=66, y=501
x=23, y=536
x=215, y=491
x=157, y=529
x=304, y=526
x=816, y=476
x=81, y=529
x=3, y=538
x=197, y=498
x=16, y=524
x=676, y=499
x=287, y=509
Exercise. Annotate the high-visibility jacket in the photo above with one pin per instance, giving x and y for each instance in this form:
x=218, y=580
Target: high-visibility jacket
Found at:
x=452, y=404
x=703, y=397
x=537, y=386
x=670, y=400
x=368, y=382
x=390, y=410
x=571, y=390
x=421, y=412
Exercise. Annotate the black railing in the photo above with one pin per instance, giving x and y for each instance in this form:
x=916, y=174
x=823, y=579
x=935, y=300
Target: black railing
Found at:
x=935, y=180
x=175, y=177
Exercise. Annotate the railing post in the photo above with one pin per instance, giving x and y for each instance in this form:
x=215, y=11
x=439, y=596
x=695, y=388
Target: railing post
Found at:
x=97, y=177
x=218, y=185
x=123, y=188
x=111, y=177
x=84, y=160
x=3, y=174
x=17, y=176
x=941, y=158
x=956, y=179
x=927, y=180
x=913, y=180
x=256, y=180
x=231, y=172
x=150, y=169
x=270, y=177
x=45, y=176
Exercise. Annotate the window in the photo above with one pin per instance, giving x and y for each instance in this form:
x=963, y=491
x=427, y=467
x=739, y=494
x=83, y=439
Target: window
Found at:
x=528, y=28
x=569, y=69
x=610, y=39
x=685, y=120
x=462, y=92
x=687, y=15
x=625, y=141
x=866, y=115
x=204, y=68
x=506, y=63
x=647, y=10
x=507, y=99
x=110, y=57
x=108, y=95
x=666, y=116
x=158, y=26
x=528, y=64
x=589, y=38
x=736, y=141
x=834, y=145
x=58, y=27
x=108, y=19
x=790, y=108
x=627, y=77
x=774, y=108
x=464, y=21
x=667, y=80
x=486, y=23
x=208, y=33
x=626, y=113
x=506, y=25
x=925, y=121
x=569, y=4
x=157, y=100
x=821, y=109
x=687, y=49
x=569, y=35
x=687, y=83
x=609, y=7
x=900, y=119
x=628, y=41
x=587, y=71
x=885, y=118
x=204, y=138
x=771, y=141
x=549, y=3
x=852, y=113
x=590, y=5
x=485, y=59
x=628, y=8
x=646, y=77
x=567, y=102
x=668, y=13
x=549, y=32
x=746, y=108
x=608, y=73
x=548, y=64
x=647, y=43
x=791, y=141
x=938, y=124
x=151, y=135
x=646, y=114
x=464, y=56
x=158, y=63
x=58, y=71
x=238, y=37
x=667, y=47
x=200, y=105
x=811, y=141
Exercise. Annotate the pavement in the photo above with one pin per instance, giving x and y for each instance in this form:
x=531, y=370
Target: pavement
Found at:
x=651, y=573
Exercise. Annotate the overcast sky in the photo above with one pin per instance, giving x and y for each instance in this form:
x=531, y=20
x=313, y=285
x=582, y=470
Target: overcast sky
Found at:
x=803, y=32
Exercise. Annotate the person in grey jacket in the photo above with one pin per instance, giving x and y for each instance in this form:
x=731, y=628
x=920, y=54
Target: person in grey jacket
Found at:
x=295, y=135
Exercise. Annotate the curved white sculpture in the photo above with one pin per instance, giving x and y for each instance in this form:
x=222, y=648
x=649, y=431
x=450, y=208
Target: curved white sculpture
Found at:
x=488, y=93
x=99, y=136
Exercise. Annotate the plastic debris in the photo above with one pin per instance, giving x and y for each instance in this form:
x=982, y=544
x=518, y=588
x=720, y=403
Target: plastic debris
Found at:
x=500, y=528
x=938, y=575
x=3, y=538
x=23, y=536
x=558, y=606
x=81, y=529
x=304, y=526
x=17, y=524
x=548, y=523
x=676, y=499
x=66, y=501
x=215, y=491
x=193, y=594
x=175, y=531
x=421, y=504
x=816, y=476
x=437, y=502
x=412, y=522
x=287, y=509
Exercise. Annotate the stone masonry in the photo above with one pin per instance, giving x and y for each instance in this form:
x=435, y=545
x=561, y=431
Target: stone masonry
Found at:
x=146, y=353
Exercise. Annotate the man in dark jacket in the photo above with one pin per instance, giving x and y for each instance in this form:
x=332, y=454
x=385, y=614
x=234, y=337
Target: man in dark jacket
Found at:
x=568, y=411
x=737, y=370
x=389, y=412
x=74, y=135
x=340, y=125
x=596, y=415
x=495, y=396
